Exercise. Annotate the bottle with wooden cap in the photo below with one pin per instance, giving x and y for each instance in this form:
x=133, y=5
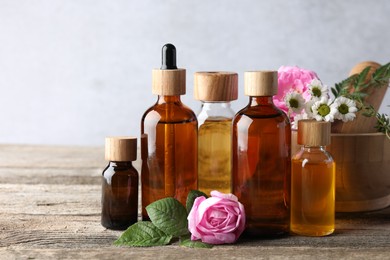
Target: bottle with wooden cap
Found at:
x=261, y=158
x=170, y=132
x=313, y=181
x=215, y=90
x=120, y=184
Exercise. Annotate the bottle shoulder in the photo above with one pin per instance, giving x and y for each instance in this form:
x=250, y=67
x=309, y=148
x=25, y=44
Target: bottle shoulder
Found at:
x=313, y=156
x=169, y=112
x=126, y=168
x=261, y=112
x=205, y=115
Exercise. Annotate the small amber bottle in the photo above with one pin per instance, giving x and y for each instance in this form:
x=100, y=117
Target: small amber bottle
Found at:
x=261, y=158
x=215, y=90
x=313, y=182
x=170, y=137
x=120, y=184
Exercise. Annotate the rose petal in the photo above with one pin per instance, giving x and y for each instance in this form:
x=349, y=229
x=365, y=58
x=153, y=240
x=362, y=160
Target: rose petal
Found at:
x=193, y=218
x=221, y=195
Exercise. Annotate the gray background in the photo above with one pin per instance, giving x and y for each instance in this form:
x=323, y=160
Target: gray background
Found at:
x=75, y=71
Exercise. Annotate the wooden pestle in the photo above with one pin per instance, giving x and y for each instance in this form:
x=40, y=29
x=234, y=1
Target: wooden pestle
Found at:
x=363, y=124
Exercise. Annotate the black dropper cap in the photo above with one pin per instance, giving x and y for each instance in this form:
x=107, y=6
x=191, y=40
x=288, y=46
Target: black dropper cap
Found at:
x=168, y=57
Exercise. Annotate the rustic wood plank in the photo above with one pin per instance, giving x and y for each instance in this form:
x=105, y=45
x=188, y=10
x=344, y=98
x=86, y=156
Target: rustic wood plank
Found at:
x=40, y=212
x=81, y=176
x=29, y=164
x=50, y=209
x=173, y=252
x=36, y=156
x=53, y=157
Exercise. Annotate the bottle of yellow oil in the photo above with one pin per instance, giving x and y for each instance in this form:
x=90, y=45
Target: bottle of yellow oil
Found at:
x=313, y=182
x=215, y=90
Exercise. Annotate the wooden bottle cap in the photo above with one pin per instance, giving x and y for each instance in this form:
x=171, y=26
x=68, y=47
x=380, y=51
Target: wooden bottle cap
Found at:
x=121, y=149
x=313, y=133
x=261, y=83
x=169, y=82
x=216, y=86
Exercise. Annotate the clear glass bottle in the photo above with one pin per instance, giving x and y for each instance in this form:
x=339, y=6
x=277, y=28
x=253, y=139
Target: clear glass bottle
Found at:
x=215, y=90
x=170, y=137
x=120, y=184
x=261, y=158
x=313, y=182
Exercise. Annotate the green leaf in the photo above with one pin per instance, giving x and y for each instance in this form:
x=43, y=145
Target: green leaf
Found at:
x=334, y=91
x=187, y=242
x=382, y=72
x=363, y=75
x=192, y=195
x=143, y=233
x=169, y=215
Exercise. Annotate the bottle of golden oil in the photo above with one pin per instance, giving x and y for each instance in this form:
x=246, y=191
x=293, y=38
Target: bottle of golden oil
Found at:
x=169, y=133
x=120, y=184
x=261, y=158
x=215, y=90
x=313, y=182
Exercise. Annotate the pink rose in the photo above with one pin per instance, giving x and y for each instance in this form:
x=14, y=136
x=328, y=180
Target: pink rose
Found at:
x=292, y=78
x=219, y=219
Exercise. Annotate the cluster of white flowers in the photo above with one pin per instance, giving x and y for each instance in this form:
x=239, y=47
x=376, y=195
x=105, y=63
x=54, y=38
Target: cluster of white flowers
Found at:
x=319, y=106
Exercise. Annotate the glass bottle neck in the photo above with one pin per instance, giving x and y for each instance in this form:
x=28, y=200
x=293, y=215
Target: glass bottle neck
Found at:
x=206, y=105
x=168, y=99
x=309, y=148
x=117, y=164
x=216, y=110
x=263, y=100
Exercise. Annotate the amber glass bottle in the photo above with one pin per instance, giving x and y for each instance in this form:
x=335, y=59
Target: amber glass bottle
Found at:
x=170, y=137
x=313, y=181
x=215, y=90
x=120, y=184
x=261, y=158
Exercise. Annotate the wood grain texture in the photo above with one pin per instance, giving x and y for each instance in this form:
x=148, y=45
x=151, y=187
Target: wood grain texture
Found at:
x=169, y=82
x=215, y=86
x=121, y=148
x=261, y=83
x=45, y=219
x=313, y=133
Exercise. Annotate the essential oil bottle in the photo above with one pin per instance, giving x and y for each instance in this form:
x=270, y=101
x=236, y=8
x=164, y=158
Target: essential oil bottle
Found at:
x=313, y=182
x=216, y=90
x=120, y=184
x=261, y=158
x=170, y=137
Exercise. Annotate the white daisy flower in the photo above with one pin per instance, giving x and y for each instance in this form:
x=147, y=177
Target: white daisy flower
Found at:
x=308, y=110
x=346, y=109
x=317, y=90
x=323, y=111
x=298, y=117
x=294, y=101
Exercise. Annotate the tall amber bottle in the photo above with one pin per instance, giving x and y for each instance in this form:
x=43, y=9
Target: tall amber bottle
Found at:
x=313, y=182
x=120, y=184
x=169, y=133
x=261, y=158
x=215, y=90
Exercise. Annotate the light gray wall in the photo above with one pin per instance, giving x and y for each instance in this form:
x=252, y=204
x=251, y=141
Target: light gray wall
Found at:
x=75, y=71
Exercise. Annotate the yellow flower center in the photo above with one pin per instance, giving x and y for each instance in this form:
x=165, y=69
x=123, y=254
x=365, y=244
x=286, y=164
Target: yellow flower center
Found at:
x=343, y=109
x=316, y=91
x=323, y=110
x=293, y=103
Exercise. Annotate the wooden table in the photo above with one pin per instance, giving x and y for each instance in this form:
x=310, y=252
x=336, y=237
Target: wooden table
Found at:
x=50, y=209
